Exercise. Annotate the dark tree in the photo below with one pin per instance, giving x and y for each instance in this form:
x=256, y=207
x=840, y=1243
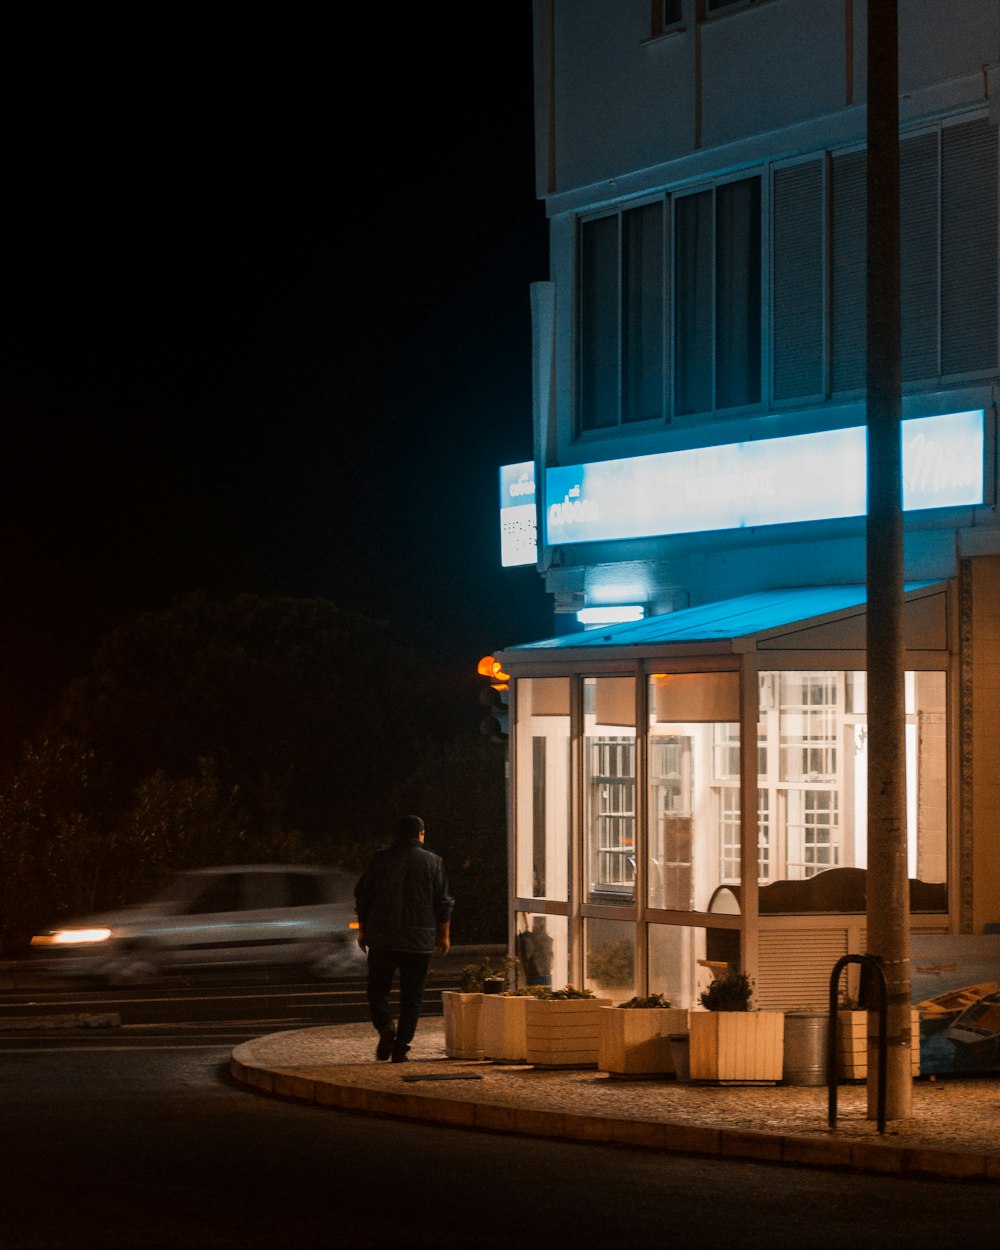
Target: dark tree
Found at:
x=252, y=729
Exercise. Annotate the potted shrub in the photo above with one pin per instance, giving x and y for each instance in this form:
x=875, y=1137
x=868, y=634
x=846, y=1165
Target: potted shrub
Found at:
x=504, y=1033
x=852, y=1041
x=463, y=1009
x=561, y=1028
x=634, y=1036
x=730, y=1042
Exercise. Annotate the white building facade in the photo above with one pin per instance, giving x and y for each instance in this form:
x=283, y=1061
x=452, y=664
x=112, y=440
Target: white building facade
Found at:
x=689, y=785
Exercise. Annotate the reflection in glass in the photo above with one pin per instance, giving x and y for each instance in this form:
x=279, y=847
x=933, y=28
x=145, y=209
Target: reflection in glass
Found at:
x=610, y=959
x=694, y=787
x=542, y=944
x=609, y=787
x=813, y=782
x=674, y=968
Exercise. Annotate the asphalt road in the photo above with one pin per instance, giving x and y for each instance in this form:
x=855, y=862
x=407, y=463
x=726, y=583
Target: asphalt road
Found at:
x=204, y=1009
x=133, y=1137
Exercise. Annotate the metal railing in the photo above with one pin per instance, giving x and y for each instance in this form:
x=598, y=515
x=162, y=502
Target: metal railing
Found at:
x=874, y=965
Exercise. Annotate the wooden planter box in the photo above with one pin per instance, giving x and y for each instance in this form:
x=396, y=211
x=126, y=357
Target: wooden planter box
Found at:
x=463, y=1024
x=852, y=1045
x=740, y=1047
x=504, y=1037
x=562, y=1032
x=635, y=1041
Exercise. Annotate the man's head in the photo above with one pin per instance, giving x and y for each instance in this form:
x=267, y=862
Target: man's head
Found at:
x=410, y=829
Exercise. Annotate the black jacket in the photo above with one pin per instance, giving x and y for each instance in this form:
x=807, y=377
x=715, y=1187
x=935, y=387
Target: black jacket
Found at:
x=402, y=897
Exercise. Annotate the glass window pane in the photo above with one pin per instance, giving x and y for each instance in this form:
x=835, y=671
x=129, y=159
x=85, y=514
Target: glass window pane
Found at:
x=542, y=804
x=813, y=791
x=599, y=323
x=643, y=313
x=694, y=792
x=677, y=955
x=694, y=285
x=609, y=968
x=847, y=272
x=737, y=277
x=542, y=944
x=609, y=787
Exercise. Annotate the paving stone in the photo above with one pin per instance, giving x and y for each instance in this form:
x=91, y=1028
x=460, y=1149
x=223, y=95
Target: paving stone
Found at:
x=951, y=1132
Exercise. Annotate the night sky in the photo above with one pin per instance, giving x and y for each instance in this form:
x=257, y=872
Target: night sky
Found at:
x=266, y=322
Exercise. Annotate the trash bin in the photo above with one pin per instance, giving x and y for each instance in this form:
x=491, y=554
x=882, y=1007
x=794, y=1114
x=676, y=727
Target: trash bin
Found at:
x=805, y=1048
x=680, y=1055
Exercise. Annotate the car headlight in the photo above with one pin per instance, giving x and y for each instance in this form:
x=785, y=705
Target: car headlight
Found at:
x=71, y=937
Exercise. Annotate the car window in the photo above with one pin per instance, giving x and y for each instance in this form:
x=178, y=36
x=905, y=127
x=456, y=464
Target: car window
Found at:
x=220, y=894
x=265, y=889
x=305, y=889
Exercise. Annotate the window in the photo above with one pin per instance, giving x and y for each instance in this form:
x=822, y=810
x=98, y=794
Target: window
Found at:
x=948, y=263
x=612, y=776
x=693, y=810
x=609, y=965
x=717, y=261
x=812, y=787
x=671, y=293
x=542, y=809
x=667, y=16
x=626, y=338
x=609, y=798
x=223, y=893
x=622, y=318
x=715, y=6
x=304, y=889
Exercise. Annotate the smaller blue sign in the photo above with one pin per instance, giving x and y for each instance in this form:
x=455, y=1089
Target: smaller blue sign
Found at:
x=518, y=514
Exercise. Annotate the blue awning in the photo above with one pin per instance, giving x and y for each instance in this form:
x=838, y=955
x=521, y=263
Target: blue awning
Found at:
x=714, y=622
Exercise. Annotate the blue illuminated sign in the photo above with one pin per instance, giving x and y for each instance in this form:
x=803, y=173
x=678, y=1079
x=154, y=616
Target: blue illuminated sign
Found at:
x=518, y=515
x=806, y=477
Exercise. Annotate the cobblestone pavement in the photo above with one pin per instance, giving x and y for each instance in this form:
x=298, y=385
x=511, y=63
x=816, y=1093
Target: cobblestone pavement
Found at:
x=954, y=1129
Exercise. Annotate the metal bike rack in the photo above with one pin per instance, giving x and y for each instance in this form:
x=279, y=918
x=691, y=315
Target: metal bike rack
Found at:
x=874, y=964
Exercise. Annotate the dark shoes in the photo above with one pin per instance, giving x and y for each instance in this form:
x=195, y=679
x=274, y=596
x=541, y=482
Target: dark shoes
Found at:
x=389, y=1048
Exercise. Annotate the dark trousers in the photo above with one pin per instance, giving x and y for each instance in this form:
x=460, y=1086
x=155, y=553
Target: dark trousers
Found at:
x=382, y=965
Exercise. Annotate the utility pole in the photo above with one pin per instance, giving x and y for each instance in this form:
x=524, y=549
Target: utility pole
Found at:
x=888, y=880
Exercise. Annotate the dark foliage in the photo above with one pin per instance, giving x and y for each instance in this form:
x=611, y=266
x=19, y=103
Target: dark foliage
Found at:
x=249, y=730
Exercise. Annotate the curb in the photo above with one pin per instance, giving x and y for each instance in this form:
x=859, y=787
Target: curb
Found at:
x=880, y=1158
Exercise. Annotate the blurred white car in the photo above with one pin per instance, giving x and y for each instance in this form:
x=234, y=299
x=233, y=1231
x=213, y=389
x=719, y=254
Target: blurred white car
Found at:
x=259, y=915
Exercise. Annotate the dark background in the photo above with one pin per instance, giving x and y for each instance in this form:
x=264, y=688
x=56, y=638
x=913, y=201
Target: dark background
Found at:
x=266, y=323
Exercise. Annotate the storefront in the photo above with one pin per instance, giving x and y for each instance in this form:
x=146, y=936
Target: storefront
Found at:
x=637, y=750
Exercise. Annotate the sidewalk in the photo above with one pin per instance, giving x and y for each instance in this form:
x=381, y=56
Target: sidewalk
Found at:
x=954, y=1130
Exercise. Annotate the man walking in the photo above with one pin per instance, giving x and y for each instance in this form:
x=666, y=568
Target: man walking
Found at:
x=404, y=912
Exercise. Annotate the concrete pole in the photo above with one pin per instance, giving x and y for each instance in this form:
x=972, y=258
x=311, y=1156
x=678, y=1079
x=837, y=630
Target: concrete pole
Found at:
x=888, y=881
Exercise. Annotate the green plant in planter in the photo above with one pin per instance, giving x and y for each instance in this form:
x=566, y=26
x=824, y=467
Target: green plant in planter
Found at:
x=731, y=991
x=568, y=991
x=483, y=978
x=650, y=1000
